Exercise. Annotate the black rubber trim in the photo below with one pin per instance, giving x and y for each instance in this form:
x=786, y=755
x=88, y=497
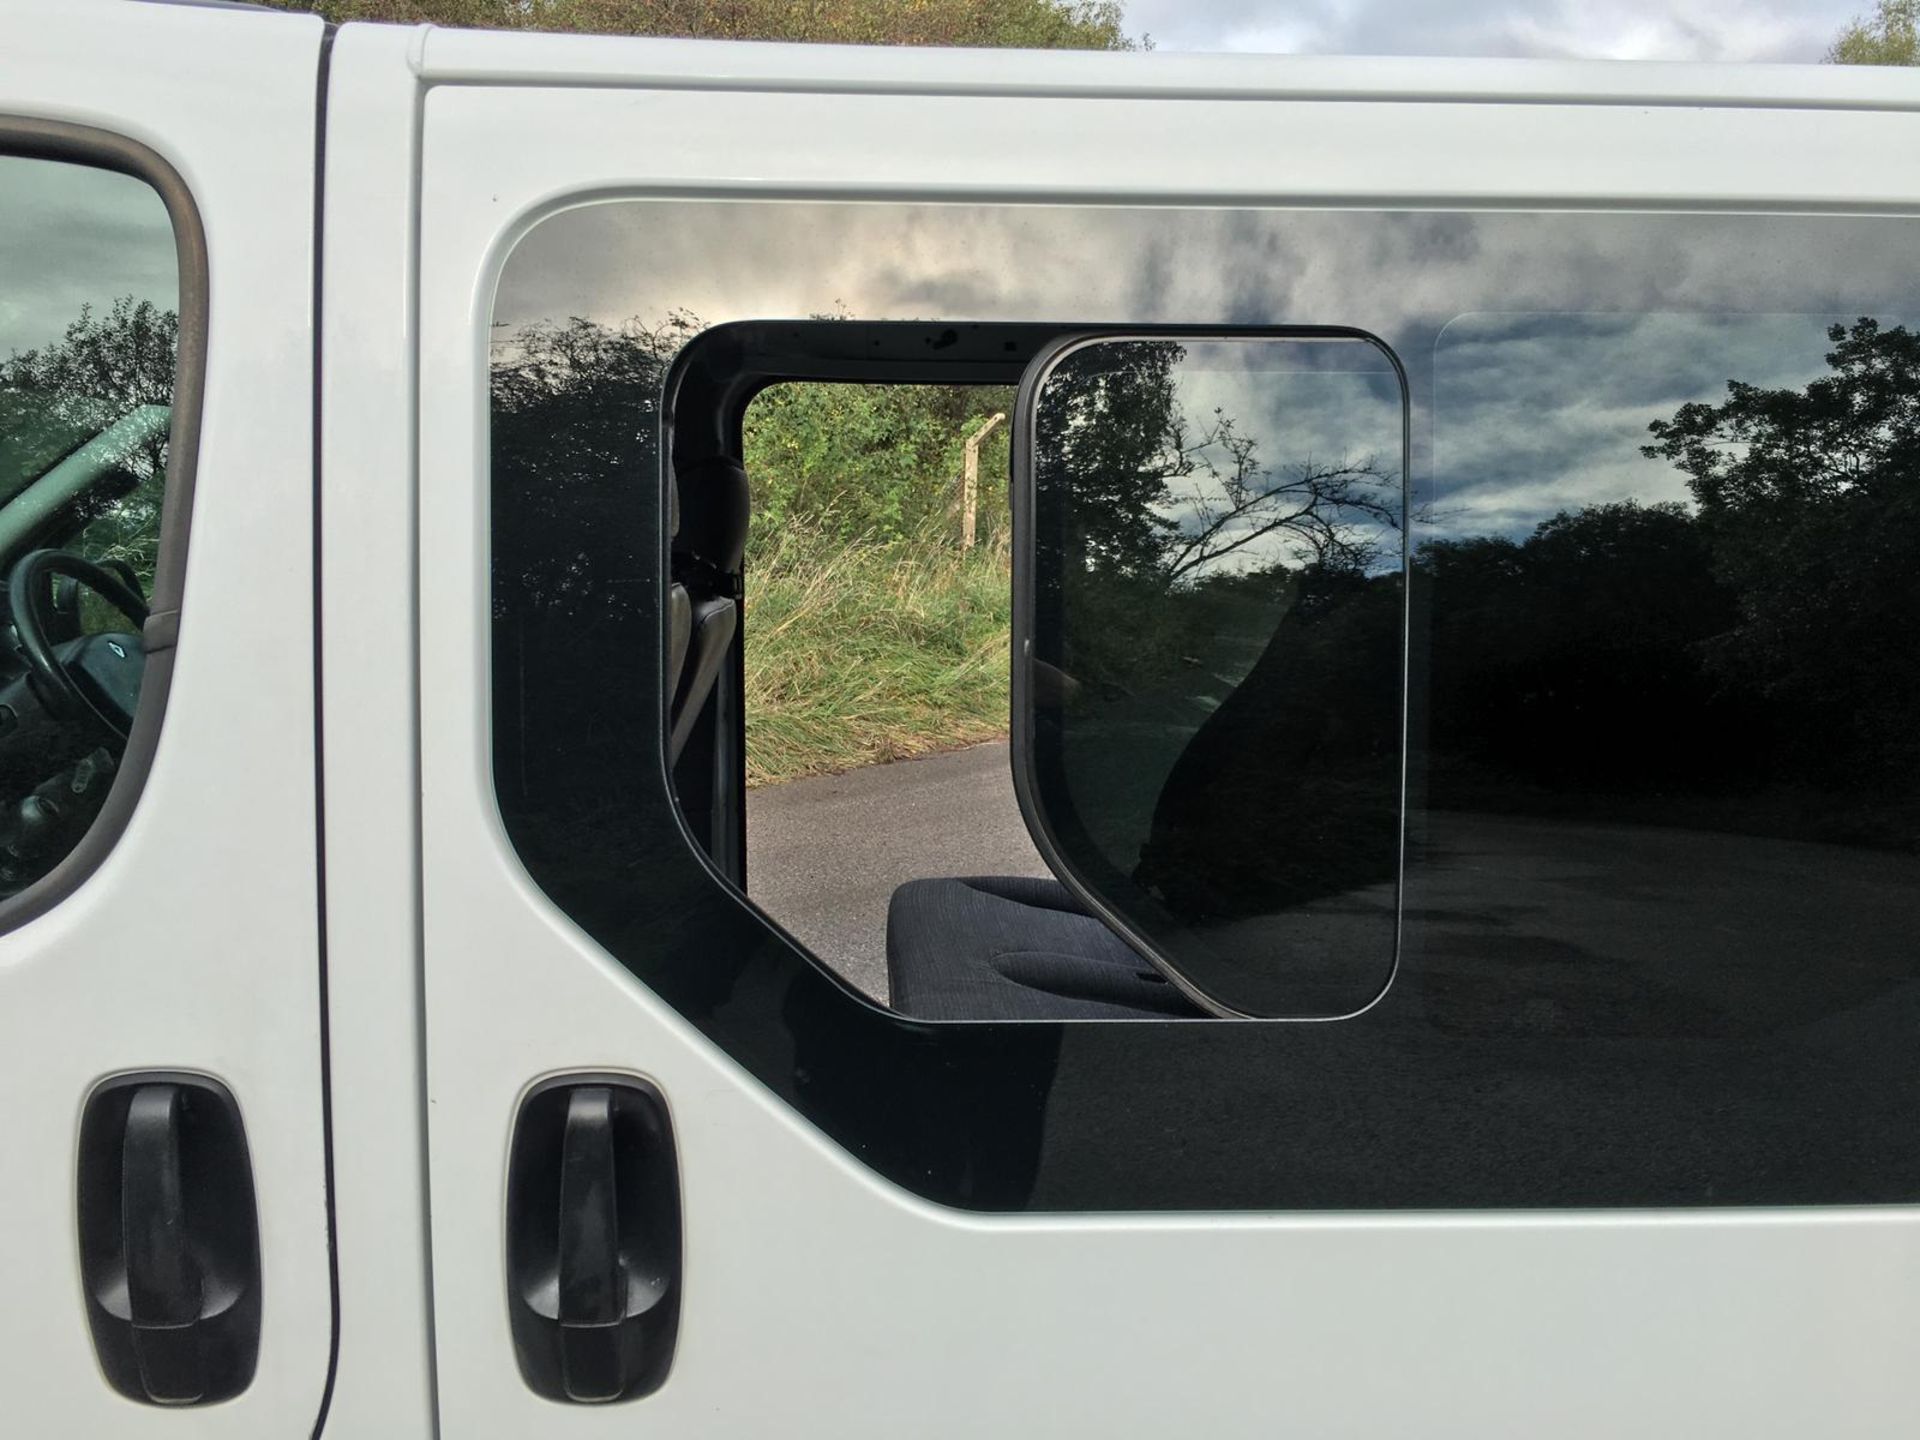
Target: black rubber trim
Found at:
x=104, y=150
x=324, y=74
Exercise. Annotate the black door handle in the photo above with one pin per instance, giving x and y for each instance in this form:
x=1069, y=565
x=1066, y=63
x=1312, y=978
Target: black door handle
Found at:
x=169, y=1241
x=163, y=1277
x=593, y=1227
x=593, y=1288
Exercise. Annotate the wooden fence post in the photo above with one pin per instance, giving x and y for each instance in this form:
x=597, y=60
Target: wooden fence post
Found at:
x=970, y=480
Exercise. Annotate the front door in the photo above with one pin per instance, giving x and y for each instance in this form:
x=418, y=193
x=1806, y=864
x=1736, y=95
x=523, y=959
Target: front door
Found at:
x=164, y=1195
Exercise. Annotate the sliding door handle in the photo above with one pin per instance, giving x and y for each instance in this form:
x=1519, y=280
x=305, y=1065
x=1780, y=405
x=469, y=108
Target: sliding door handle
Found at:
x=593, y=1239
x=592, y=1297
x=163, y=1278
x=169, y=1240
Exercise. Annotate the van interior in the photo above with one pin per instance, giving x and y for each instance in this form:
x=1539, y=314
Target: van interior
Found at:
x=960, y=947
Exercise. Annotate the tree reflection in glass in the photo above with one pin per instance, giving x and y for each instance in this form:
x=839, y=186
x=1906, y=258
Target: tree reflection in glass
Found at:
x=1214, y=670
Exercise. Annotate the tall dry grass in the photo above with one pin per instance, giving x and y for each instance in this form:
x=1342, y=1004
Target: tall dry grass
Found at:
x=862, y=651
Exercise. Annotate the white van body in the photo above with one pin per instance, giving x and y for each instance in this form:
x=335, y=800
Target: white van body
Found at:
x=317, y=903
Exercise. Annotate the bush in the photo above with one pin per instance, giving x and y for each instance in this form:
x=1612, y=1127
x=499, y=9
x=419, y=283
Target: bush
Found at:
x=880, y=461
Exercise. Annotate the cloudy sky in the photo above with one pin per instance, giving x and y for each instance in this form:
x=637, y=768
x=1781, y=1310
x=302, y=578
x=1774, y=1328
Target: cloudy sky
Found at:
x=72, y=236
x=1538, y=347
x=1791, y=30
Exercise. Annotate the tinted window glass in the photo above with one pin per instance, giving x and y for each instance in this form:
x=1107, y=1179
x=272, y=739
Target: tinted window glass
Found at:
x=88, y=341
x=1674, y=710
x=1592, y=1005
x=1213, y=673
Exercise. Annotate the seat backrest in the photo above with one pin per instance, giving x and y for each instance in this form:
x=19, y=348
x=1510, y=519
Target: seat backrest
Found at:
x=679, y=633
x=710, y=511
x=714, y=622
x=679, y=603
x=713, y=502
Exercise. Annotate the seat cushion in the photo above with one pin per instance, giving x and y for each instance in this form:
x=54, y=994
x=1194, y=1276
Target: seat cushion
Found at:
x=1014, y=948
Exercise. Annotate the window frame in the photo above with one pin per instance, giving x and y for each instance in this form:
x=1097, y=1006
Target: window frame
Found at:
x=34, y=138
x=771, y=352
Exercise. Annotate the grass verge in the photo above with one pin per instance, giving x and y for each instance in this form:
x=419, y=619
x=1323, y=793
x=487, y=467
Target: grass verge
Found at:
x=864, y=651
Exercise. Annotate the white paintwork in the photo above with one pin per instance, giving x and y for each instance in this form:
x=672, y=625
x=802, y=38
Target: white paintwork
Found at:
x=821, y=1301
x=195, y=944
x=468, y=56
x=383, y=1386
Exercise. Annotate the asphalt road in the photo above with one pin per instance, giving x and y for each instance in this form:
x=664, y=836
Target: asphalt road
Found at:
x=1517, y=928
x=825, y=855
x=1584, y=1014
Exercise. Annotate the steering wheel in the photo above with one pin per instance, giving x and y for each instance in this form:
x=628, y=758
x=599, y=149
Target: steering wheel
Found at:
x=67, y=684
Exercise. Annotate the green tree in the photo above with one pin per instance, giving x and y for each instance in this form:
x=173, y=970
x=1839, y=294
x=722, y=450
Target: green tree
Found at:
x=54, y=396
x=880, y=461
x=1111, y=417
x=1546, y=651
x=1891, y=36
x=1811, y=501
x=1146, y=487
x=103, y=366
x=1021, y=24
x=575, y=416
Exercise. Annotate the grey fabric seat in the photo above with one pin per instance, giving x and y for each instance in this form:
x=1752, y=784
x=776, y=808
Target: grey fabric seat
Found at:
x=710, y=626
x=679, y=634
x=1014, y=948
